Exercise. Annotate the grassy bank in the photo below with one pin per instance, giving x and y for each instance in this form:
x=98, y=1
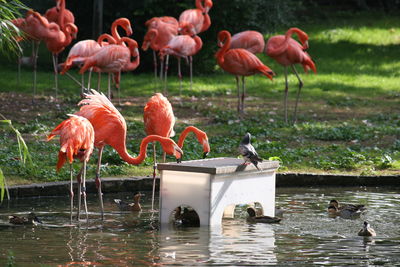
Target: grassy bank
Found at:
x=348, y=114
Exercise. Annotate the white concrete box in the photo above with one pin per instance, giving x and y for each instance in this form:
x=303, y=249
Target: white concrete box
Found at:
x=213, y=187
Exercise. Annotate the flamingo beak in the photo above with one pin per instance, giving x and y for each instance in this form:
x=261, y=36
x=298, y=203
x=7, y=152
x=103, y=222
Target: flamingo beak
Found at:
x=129, y=31
x=305, y=45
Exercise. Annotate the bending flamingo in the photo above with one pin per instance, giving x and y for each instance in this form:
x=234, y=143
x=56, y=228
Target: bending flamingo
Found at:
x=198, y=17
x=76, y=140
x=252, y=41
x=288, y=52
x=182, y=46
x=159, y=120
x=110, y=129
x=113, y=59
x=200, y=135
x=160, y=30
x=239, y=62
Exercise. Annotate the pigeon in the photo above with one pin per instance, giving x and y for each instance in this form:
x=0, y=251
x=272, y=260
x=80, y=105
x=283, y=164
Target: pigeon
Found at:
x=248, y=152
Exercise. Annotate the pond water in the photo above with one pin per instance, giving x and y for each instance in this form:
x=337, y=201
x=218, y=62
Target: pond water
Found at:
x=305, y=236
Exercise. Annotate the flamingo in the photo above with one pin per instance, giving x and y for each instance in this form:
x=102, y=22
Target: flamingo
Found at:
x=200, y=135
x=252, y=41
x=239, y=62
x=53, y=14
x=110, y=129
x=82, y=49
x=113, y=58
x=76, y=140
x=159, y=120
x=288, y=52
x=160, y=31
x=30, y=26
x=185, y=46
x=198, y=17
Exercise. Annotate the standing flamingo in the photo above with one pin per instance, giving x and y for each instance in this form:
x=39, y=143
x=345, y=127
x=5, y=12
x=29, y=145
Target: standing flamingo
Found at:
x=110, y=129
x=82, y=49
x=159, y=120
x=113, y=59
x=239, y=62
x=182, y=46
x=160, y=30
x=76, y=140
x=252, y=41
x=30, y=26
x=288, y=52
x=200, y=135
x=198, y=17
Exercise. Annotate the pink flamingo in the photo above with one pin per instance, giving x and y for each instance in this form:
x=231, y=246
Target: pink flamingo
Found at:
x=288, y=52
x=160, y=30
x=76, y=140
x=159, y=120
x=239, y=62
x=182, y=46
x=110, y=129
x=113, y=58
x=198, y=17
x=252, y=41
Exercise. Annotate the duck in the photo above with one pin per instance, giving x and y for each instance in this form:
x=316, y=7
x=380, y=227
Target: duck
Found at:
x=260, y=219
x=187, y=217
x=20, y=220
x=126, y=206
x=366, y=230
x=346, y=211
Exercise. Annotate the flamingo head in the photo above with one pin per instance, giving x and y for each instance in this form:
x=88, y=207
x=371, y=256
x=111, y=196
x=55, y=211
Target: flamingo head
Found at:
x=125, y=24
x=71, y=29
x=207, y=6
x=187, y=29
x=148, y=38
x=171, y=148
x=203, y=139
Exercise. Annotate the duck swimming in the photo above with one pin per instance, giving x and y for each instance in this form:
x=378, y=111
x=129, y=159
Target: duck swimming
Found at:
x=260, y=219
x=186, y=217
x=126, y=206
x=366, y=230
x=31, y=220
x=346, y=211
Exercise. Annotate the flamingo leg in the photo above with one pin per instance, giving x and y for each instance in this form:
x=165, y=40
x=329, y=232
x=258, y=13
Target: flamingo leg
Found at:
x=191, y=71
x=154, y=175
x=84, y=190
x=286, y=94
x=119, y=90
x=73, y=78
x=162, y=68
x=243, y=95
x=71, y=192
x=82, y=84
x=298, y=93
x=89, y=78
x=98, y=81
x=78, y=214
x=179, y=75
x=98, y=183
x=55, y=59
x=109, y=86
x=165, y=76
x=155, y=64
x=36, y=48
x=238, y=93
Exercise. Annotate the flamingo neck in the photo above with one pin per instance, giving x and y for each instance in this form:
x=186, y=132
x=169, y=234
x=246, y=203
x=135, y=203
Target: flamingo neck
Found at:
x=206, y=23
x=199, y=42
x=60, y=20
x=114, y=31
x=199, y=5
x=221, y=52
x=184, y=134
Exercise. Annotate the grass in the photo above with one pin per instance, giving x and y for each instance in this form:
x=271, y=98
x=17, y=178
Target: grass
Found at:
x=349, y=120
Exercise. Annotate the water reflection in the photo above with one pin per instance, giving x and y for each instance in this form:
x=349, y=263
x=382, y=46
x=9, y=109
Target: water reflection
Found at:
x=305, y=236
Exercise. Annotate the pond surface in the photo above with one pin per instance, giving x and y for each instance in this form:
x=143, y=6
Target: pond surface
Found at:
x=305, y=236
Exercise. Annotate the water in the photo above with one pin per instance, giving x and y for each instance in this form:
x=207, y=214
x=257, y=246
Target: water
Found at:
x=305, y=236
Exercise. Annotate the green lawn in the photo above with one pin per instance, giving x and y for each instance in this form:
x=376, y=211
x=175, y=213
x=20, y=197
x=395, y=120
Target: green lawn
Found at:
x=348, y=113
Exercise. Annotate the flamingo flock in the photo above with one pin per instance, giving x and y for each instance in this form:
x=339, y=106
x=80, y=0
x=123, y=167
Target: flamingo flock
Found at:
x=99, y=123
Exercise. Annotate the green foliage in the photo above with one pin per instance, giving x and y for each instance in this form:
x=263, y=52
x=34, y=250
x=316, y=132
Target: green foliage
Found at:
x=8, y=32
